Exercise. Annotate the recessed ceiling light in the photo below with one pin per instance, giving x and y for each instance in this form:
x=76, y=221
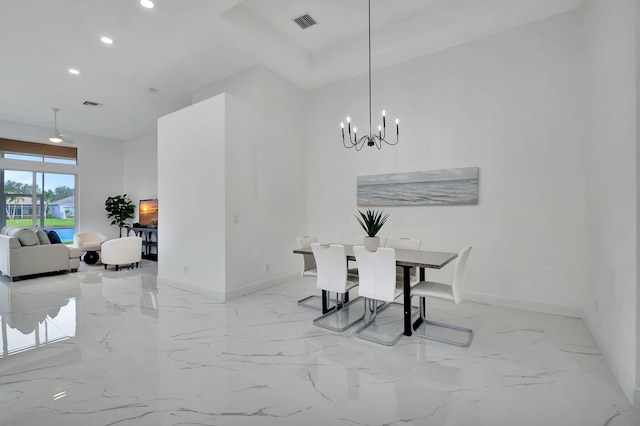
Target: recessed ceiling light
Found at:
x=147, y=3
x=74, y=71
x=106, y=40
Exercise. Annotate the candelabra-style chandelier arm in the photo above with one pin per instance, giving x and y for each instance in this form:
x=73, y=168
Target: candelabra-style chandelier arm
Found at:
x=371, y=139
x=352, y=140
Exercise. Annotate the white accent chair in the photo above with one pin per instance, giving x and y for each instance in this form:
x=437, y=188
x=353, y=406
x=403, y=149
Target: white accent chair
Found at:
x=90, y=243
x=448, y=292
x=377, y=283
x=332, y=277
x=122, y=251
x=407, y=244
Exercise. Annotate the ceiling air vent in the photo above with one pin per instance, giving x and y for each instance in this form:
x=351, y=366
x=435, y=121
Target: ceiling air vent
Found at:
x=305, y=21
x=91, y=104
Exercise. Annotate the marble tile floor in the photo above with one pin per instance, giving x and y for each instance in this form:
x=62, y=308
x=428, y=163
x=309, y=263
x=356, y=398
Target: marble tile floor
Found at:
x=119, y=348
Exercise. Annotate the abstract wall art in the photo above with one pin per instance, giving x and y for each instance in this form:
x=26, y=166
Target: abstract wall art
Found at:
x=431, y=187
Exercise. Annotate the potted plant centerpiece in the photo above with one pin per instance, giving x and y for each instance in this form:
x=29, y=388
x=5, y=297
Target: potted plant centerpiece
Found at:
x=371, y=221
x=120, y=208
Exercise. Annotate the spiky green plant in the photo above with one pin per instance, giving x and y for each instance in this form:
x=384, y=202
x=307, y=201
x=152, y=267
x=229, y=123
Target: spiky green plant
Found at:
x=372, y=221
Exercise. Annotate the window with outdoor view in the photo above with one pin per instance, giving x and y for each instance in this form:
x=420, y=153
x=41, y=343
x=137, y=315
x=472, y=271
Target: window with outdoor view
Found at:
x=38, y=197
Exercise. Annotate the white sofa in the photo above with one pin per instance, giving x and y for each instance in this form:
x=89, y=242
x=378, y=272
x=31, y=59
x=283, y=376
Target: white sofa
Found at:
x=21, y=255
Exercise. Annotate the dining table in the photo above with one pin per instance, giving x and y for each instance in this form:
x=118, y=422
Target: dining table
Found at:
x=406, y=259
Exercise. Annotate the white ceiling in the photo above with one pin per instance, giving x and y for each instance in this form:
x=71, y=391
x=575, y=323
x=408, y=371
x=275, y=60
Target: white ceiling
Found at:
x=181, y=46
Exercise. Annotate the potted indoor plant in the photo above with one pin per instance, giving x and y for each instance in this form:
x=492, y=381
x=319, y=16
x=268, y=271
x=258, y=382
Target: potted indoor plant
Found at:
x=120, y=208
x=371, y=221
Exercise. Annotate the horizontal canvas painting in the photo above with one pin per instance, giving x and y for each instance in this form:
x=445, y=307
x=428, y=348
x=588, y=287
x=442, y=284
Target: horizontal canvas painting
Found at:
x=431, y=187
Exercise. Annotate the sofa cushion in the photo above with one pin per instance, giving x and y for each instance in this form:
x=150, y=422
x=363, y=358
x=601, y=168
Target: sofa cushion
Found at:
x=8, y=230
x=54, y=237
x=42, y=237
x=26, y=236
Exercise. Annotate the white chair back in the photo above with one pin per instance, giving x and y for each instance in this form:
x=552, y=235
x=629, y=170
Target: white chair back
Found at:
x=404, y=243
x=88, y=240
x=332, y=267
x=308, y=262
x=377, y=272
x=306, y=240
x=458, y=274
x=121, y=251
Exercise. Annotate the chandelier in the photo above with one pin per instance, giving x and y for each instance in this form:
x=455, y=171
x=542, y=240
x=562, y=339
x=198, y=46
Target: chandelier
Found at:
x=371, y=139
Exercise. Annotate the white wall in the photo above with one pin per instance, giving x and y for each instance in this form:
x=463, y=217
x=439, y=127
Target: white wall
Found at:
x=191, y=194
x=610, y=306
x=141, y=168
x=265, y=177
x=100, y=172
x=511, y=104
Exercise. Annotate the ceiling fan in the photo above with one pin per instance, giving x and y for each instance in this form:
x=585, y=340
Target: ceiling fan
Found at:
x=56, y=136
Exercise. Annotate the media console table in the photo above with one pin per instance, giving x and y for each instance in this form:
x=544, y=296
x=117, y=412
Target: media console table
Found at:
x=149, y=241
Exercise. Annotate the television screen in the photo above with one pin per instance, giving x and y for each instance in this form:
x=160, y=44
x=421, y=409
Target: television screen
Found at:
x=148, y=212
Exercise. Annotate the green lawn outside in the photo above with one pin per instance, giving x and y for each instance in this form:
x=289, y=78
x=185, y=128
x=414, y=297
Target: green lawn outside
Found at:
x=52, y=222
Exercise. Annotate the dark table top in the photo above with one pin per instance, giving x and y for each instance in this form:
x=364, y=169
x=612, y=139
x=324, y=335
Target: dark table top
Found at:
x=419, y=258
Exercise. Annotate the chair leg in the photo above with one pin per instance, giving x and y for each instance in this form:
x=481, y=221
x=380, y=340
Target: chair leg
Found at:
x=342, y=308
x=305, y=302
x=466, y=331
x=374, y=309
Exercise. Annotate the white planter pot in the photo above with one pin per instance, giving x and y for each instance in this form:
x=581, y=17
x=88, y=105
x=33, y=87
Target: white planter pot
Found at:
x=371, y=243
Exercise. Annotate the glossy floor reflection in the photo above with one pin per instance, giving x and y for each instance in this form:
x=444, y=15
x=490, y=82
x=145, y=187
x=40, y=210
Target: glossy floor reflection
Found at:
x=105, y=348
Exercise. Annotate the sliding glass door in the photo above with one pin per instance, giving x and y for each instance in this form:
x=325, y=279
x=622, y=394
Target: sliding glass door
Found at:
x=45, y=200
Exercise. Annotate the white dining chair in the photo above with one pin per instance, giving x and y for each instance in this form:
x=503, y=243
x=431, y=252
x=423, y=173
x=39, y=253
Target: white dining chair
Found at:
x=308, y=262
x=331, y=262
x=377, y=284
x=404, y=243
x=309, y=269
x=448, y=292
x=407, y=244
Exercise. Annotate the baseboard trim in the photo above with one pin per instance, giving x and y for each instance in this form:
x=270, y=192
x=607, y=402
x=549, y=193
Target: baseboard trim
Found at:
x=261, y=285
x=216, y=295
x=232, y=294
x=527, y=305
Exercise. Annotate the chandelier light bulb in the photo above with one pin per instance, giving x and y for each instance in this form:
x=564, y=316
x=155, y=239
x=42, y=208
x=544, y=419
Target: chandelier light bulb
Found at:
x=383, y=113
x=348, y=119
x=147, y=3
x=342, y=125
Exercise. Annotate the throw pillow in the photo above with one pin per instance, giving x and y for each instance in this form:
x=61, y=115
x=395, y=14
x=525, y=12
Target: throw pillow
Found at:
x=42, y=236
x=27, y=237
x=54, y=237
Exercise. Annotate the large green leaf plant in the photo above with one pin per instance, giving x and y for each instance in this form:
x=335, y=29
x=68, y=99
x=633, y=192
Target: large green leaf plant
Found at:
x=119, y=208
